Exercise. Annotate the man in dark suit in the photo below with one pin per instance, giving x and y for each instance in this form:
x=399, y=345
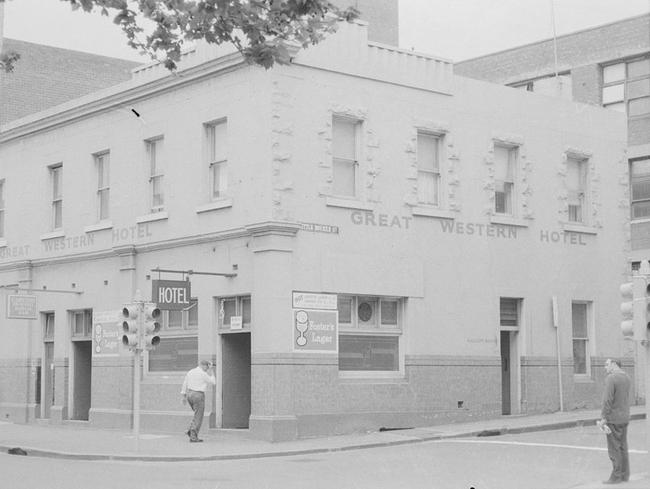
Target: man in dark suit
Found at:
x=616, y=416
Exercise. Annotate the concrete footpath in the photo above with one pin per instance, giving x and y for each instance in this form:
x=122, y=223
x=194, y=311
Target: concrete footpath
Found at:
x=75, y=440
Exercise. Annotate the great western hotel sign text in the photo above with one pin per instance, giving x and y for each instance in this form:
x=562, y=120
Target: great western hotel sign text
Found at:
x=171, y=295
x=450, y=226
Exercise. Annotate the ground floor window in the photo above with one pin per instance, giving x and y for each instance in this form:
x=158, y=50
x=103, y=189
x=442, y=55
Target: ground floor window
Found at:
x=580, y=327
x=174, y=354
x=369, y=333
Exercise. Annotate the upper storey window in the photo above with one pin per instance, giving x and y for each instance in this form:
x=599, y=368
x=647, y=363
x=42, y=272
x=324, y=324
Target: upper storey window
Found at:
x=217, y=159
x=505, y=166
x=428, y=157
x=56, y=179
x=345, y=147
x=156, y=173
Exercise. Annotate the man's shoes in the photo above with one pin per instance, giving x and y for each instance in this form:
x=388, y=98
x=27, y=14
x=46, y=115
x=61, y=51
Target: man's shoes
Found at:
x=195, y=440
x=608, y=481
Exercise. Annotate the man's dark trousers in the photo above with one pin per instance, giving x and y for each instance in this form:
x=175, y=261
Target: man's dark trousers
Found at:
x=617, y=449
x=196, y=400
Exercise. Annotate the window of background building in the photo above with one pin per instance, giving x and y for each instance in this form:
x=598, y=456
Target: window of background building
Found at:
x=505, y=161
x=156, y=173
x=82, y=323
x=640, y=188
x=580, y=326
x=216, y=134
x=345, y=159
x=626, y=86
x=2, y=208
x=178, y=350
x=428, y=158
x=56, y=177
x=102, y=164
x=369, y=332
x=576, y=183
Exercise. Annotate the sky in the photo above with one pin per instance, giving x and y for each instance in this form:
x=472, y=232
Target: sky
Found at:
x=452, y=29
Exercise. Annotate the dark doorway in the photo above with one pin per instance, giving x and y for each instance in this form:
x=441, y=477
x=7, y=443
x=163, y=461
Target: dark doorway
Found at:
x=82, y=351
x=236, y=379
x=47, y=380
x=506, y=370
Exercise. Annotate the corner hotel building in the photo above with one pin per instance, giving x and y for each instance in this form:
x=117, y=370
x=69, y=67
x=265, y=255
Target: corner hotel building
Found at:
x=432, y=219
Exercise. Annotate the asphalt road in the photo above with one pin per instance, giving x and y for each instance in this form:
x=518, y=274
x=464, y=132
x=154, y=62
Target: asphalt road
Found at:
x=543, y=460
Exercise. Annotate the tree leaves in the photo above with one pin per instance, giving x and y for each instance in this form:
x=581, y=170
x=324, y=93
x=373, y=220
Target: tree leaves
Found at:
x=262, y=30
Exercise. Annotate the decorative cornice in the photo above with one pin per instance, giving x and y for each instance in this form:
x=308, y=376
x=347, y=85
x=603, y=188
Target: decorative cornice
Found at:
x=276, y=228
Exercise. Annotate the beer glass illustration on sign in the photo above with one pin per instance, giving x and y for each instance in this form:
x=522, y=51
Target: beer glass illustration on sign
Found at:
x=302, y=325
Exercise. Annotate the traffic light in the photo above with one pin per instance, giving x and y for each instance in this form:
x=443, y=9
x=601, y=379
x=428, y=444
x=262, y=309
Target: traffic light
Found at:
x=130, y=313
x=627, y=308
x=151, y=325
x=641, y=308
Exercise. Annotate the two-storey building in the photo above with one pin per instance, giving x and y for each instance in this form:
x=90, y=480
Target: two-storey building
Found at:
x=370, y=240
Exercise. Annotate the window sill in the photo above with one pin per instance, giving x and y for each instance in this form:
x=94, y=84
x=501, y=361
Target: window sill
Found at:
x=430, y=211
x=3, y=243
x=156, y=216
x=100, y=226
x=59, y=233
x=642, y=220
x=508, y=221
x=213, y=206
x=392, y=376
x=579, y=228
x=348, y=203
x=583, y=379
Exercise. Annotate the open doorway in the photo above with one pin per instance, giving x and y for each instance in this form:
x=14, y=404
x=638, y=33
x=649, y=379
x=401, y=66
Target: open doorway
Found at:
x=236, y=379
x=82, y=371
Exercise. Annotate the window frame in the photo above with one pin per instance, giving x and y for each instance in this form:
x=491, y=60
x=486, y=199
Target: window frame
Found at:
x=583, y=191
x=354, y=162
x=87, y=324
x=156, y=172
x=215, y=160
x=102, y=162
x=625, y=100
x=48, y=333
x=587, y=340
x=56, y=185
x=632, y=199
x=513, y=164
x=353, y=329
x=240, y=307
x=437, y=171
x=186, y=320
x=518, y=301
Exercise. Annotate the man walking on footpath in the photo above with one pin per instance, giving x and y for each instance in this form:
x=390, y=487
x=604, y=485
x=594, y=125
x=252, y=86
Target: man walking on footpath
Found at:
x=193, y=391
x=616, y=416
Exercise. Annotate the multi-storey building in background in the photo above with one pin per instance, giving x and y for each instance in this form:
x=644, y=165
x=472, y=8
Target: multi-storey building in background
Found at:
x=608, y=66
x=395, y=245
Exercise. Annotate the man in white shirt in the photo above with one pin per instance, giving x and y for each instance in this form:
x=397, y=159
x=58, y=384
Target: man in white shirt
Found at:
x=193, y=391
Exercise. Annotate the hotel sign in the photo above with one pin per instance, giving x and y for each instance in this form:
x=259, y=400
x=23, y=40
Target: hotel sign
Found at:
x=21, y=307
x=171, y=295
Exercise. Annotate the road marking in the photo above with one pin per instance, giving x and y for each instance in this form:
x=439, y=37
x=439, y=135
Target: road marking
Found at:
x=527, y=444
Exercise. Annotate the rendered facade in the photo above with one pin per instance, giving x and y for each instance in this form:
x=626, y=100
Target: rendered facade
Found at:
x=608, y=66
x=393, y=238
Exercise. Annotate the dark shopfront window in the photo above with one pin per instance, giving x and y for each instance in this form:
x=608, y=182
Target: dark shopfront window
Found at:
x=174, y=354
x=371, y=353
